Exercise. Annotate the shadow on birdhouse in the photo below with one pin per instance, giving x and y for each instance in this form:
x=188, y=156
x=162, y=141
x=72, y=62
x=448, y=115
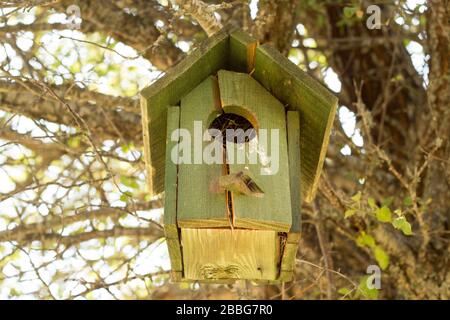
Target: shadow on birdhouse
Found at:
x=235, y=135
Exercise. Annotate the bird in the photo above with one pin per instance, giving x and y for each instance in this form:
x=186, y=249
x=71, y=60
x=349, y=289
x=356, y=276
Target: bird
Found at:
x=239, y=182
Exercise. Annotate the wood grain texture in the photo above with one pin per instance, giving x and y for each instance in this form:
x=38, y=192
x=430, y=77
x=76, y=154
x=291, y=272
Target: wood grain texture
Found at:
x=293, y=237
x=198, y=206
x=243, y=95
x=288, y=258
x=211, y=56
x=317, y=107
x=230, y=254
x=146, y=142
x=293, y=134
x=174, y=249
x=285, y=276
x=242, y=50
x=176, y=276
x=170, y=194
x=209, y=281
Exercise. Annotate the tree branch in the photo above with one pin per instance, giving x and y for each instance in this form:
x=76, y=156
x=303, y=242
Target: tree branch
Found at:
x=28, y=99
x=151, y=234
x=203, y=13
x=137, y=31
x=40, y=231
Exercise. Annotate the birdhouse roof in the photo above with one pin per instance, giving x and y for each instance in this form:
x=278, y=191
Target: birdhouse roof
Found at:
x=237, y=51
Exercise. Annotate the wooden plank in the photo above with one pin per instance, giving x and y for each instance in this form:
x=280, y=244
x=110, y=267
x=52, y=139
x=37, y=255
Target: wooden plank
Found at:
x=317, y=107
x=230, y=254
x=266, y=282
x=170, y=195
x=209, y=281
x=146, y=140
x=286, y=276
x=197, y=205
x=176, y=276
x=291, y=247
x=211, y=56
x=242, y=51
x=293, y=237
x=174, y=249
x=293, y=134
x=243, y=95
x=288, y=257
x=171, y=172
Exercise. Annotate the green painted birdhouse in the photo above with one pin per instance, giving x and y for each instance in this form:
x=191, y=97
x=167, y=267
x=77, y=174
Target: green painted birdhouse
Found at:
x=235, y=136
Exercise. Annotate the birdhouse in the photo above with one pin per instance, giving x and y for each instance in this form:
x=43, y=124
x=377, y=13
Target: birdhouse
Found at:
x=235, y=135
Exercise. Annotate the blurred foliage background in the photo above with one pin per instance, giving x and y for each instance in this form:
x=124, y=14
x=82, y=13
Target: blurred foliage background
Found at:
x=75, y=220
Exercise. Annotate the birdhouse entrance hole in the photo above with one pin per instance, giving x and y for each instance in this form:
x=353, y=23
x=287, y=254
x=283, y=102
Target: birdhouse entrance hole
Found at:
x=233, y=128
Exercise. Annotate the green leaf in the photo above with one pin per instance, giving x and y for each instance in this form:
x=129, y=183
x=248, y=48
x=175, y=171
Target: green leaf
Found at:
x=125, y=196
x=387, y=202
x=320, y=21
x=365, y=291
x=365, y=240
x=129, y=182
x=125, y=148
x=408, y=201
x=402, y=224
x=357, y=197
x=372, y=204
x=74, y=142
x=349, y=213
x=14, y=292
x=349, y=11
x=423, y=20
x=384, y=214
x=344, y=291
x=76, y=67
x=382, y=257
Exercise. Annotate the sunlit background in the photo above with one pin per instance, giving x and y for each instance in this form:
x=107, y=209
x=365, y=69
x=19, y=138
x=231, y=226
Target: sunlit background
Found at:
x=118, y=71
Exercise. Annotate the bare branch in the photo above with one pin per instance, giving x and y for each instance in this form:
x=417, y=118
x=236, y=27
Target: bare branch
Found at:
x=30, y=100
x=37, y=231
x=203, y=13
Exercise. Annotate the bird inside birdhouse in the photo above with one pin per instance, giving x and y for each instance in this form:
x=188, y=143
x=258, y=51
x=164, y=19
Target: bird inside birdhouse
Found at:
x=222, y=140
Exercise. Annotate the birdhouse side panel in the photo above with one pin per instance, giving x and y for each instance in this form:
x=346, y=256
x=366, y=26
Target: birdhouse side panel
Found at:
x=290, y=248
x=293, y=130
x=170, y=194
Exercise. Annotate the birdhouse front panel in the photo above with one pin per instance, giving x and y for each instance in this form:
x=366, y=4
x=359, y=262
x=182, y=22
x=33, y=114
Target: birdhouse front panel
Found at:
x=239, y=134
x=265, y=162
x=215, y=202
x=224, y=254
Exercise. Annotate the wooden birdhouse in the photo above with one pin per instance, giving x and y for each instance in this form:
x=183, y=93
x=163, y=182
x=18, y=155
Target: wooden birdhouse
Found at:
x=232, y=202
